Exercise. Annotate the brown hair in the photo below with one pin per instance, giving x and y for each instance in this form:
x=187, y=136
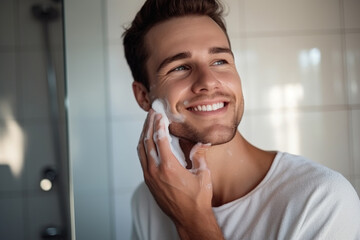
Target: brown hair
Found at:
x=154, y=12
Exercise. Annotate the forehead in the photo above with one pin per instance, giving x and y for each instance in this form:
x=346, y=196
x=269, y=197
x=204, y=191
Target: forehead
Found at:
x=188, y=33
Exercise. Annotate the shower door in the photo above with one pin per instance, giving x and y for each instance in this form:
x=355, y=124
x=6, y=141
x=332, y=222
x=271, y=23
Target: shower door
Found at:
x=34, y=185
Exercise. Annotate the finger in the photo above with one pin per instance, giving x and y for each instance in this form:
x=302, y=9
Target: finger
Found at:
x=197, y=153
x=142, y=155
x=200, y=169
x=148, y=125
x=204, y=176
x=141, y=147
x=161, y=140
x=150, y=148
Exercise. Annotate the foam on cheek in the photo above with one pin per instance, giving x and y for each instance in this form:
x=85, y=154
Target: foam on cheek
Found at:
x=161, y=133
x=159, y=107
x=171, y=116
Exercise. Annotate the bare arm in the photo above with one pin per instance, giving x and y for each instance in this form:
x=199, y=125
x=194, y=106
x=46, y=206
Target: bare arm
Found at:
x=183, y=195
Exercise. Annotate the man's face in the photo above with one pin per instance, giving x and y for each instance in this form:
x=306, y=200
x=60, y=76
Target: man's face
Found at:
x=191, y=67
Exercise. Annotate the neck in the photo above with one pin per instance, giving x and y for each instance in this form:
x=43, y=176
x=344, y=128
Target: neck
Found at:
x=236, y=167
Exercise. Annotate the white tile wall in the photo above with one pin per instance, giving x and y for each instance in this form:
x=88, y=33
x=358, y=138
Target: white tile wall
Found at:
x=42, y=211
x=123, y=214
x=28, y=25
x=8, y=91
x=89, y=152
x=89, y=135
x=357, y=185
x=355, y=133
x=12, y=217
x=311, y=134
x=24, y=209
x=239, y=48
x=281, y=15
x=351, y=13
x=126, y=166
x=92, y=214
x=292, y=71
x=126, y=117
x=39, y=152
x=122, y=101
x=7, y=22
x=290, y=56
x=119, y=15
x=235, y=18
x=87, y=74
x=33, y=85
x=8, y=183
x=352, y=64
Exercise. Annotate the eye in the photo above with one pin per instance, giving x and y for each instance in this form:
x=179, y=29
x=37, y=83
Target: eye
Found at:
x=220, y=62
x=179, y=68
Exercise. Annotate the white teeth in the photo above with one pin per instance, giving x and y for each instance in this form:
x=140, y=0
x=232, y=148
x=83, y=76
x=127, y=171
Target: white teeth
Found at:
x=208, y=108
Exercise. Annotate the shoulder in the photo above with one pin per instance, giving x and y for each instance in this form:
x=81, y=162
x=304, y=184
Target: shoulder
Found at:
x=141, y=194
x=326, y=200
x=296, y=177
x=309, y=184
x=307, y=171
x=149, y=221
x=308, y=174
x=142, y=203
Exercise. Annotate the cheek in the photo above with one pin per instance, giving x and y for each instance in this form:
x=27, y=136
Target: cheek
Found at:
x=232, y=81
x=177, y=91
x=172, y=93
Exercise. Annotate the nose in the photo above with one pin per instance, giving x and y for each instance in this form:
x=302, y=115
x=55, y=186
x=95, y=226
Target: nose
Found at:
x=205, y=80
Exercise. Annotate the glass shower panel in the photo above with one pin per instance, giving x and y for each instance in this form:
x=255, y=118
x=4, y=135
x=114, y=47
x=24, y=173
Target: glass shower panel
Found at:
x=34, y=192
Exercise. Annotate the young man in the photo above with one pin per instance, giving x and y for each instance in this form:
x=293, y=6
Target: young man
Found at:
x=179, y=52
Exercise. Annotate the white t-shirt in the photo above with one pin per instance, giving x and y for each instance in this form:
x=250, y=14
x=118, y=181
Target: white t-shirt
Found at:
x=298, y=199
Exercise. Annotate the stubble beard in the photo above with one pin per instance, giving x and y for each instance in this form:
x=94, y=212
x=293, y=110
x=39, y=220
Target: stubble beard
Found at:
x=215, y=134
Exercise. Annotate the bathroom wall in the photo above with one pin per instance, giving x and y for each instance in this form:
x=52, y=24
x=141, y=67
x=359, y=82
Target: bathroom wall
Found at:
x=299, y=64
x=26, y=139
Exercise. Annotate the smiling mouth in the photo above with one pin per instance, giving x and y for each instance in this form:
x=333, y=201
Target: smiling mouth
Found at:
x=208, y=107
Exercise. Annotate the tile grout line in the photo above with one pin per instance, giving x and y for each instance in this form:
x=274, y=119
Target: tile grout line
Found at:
x=109, y=148
x=347, y=90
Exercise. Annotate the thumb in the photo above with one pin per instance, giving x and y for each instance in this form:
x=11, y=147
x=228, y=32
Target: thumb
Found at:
x=200, y=169
x=198, y=156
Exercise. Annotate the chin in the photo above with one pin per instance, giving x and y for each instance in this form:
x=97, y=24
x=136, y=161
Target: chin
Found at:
x=219, y=138
x=216, y=135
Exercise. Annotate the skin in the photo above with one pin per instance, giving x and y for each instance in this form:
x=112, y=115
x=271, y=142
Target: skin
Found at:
x=190, y=63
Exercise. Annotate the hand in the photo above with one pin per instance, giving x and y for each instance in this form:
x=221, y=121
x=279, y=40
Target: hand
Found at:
x=185, y=196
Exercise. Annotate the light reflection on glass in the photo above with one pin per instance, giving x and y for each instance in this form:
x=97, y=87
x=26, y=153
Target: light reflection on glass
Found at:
x=309, y=58
x=351, y=62
x=284, y=101
x=12, y=141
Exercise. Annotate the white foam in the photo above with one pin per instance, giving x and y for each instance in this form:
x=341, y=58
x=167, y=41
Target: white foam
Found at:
x=202, y=165
x=154, y=155
x=159, y=107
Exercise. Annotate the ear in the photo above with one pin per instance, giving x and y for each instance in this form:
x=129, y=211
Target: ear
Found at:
x=141, y=95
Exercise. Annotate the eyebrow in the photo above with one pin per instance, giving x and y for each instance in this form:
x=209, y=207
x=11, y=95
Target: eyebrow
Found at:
x=171, y=59
x=216, y=50
x=184, y=55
